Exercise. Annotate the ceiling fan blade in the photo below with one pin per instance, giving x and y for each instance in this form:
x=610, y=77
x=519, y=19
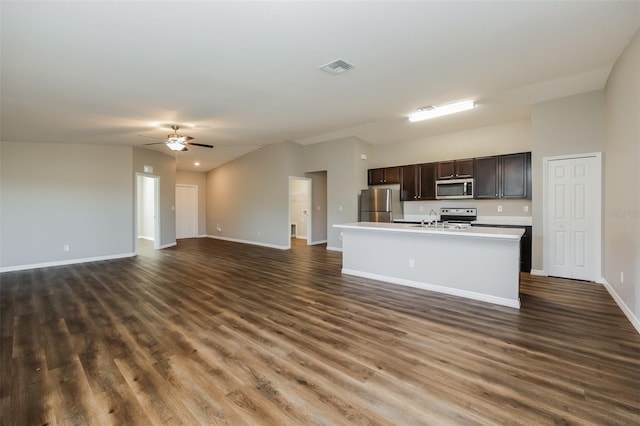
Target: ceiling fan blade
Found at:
x=155, y=143
x=199, y=144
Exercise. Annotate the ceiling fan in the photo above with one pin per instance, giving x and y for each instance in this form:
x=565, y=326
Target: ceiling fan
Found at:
x=177, y=142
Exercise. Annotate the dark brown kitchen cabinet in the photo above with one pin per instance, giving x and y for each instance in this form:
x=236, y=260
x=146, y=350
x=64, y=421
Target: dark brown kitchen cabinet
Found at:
x=525, y=244
x=515, y=176
x=503, y=176
x=418, y=182
x=386, y=175
x=455, y=169
x=487, y=178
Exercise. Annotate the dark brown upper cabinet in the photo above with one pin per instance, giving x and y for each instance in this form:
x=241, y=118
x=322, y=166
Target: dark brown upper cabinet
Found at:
x=418, y=182
x=455, y=169
x=382, y=176
x=503, y=176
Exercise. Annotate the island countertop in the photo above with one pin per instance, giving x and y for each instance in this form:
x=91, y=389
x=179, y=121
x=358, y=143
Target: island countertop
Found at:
x=471, y=232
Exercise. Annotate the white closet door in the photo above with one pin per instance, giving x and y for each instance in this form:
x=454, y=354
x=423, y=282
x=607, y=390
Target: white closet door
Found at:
x=573, y=212
x=559, y=213
x=186, y=211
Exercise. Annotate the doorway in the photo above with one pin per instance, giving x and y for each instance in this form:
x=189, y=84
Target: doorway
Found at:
x=299, y=208
x=186, y=211
x=573, y=216
x=318, y=207
x=147, y=210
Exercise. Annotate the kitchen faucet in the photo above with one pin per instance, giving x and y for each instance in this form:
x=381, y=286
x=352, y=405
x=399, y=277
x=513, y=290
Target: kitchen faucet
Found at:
x=435, y=221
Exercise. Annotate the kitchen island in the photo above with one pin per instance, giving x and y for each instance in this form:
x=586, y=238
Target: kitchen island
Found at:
x=476, y=263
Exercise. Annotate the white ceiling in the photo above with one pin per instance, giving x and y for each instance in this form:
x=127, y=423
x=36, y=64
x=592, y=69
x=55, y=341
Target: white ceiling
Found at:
x=108, y=72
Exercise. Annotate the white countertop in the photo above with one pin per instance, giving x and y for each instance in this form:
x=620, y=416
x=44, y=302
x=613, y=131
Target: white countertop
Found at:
x=504, y=220
x=474, y=232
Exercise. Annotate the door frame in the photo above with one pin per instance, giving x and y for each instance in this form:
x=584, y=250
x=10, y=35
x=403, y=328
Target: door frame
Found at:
x=598, y=211
x=156, y=211
x=309, y=212
x=197, y=233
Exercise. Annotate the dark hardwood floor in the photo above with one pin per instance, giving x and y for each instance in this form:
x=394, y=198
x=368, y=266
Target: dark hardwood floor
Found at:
x=215, y=332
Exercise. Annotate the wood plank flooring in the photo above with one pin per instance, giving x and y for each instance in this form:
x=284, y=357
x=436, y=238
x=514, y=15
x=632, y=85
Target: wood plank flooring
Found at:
x=214, y=332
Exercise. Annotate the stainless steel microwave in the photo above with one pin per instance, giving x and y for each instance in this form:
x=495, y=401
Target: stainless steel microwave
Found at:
x=454, y=189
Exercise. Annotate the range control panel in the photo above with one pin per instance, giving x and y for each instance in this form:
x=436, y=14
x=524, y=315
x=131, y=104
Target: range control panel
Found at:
x=466, y=211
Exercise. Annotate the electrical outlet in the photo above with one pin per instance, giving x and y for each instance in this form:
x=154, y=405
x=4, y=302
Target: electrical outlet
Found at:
x=339, y=208
x=412, y=263
x=499, y=208
x=621, y=277
x=65, y=247
x=218, y=228
x=526, y=209
x=259, y=233
x=421, y=208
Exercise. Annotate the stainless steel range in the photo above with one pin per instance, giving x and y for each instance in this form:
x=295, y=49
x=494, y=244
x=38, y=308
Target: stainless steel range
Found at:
x=458, y=216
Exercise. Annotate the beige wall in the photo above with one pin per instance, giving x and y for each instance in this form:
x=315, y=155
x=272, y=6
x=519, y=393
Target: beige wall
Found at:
x=481, y=142
x=248, y=198
x=484, y=141
x=570, y=125
x=346, y=176
x=55, y=194
x=164, y=166
x=200, y=180
x=622, y=178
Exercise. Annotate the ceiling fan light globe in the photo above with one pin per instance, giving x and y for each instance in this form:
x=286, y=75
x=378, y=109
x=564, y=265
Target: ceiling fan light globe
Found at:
x=176, y=145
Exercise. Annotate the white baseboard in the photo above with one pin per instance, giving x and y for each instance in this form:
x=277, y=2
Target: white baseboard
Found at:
x=334, y=248
x=315, y=243
x=64, y=262
x=254, y=243
x=538, y=272
x=164, y=246
x=300, y=237
x=437, y=288
x=635, y=322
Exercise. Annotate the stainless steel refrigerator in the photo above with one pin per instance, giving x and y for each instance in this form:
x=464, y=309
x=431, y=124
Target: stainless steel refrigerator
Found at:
x=380, y=205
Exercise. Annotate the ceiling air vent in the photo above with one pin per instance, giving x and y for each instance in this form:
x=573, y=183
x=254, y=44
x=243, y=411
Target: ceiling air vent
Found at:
x=336, y=67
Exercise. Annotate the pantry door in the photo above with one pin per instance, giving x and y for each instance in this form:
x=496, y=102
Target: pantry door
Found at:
x=573, y=216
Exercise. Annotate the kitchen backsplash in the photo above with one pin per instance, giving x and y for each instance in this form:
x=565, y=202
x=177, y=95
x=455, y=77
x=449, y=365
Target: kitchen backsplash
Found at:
x=484, y=207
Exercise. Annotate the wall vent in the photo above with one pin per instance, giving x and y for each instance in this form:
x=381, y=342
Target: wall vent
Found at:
x=336, y=67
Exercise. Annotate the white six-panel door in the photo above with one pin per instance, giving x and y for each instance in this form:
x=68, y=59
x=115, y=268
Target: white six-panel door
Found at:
x=572, y=225
x=186, y=211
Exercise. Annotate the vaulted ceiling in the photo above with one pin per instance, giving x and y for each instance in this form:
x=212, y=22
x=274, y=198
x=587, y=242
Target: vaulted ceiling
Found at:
x=239, y=75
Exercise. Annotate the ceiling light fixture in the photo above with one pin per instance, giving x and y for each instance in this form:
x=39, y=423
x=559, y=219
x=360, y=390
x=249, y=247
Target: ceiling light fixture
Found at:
x=434, y=111
x=177, y=142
